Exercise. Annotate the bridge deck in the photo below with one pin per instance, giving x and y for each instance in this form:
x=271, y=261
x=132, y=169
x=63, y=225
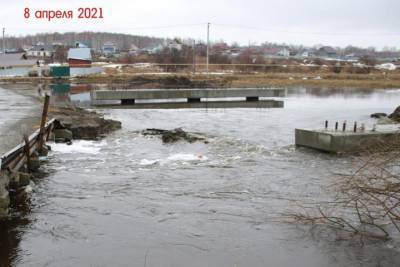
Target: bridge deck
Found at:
x=184, y=93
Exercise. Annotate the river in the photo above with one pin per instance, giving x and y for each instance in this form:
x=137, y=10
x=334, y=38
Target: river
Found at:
x=130, y=200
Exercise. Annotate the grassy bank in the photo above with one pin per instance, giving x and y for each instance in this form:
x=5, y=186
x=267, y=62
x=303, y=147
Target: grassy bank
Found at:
x=188, y=80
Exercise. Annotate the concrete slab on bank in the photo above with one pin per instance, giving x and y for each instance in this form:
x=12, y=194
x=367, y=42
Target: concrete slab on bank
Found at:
x=345, y=142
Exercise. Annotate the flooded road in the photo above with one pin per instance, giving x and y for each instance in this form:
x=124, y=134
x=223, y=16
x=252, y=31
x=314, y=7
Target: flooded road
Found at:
x=17, y=115
x=131, y=200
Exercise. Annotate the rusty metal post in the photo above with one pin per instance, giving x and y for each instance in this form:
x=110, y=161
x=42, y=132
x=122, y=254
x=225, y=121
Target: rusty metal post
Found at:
x=27, y=151
x=43, y=121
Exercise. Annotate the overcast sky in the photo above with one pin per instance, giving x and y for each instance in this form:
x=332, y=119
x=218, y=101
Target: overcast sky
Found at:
x=334, y=22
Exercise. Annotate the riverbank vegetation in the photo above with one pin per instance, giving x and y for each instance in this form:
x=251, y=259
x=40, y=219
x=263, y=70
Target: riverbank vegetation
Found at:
x=367, y=201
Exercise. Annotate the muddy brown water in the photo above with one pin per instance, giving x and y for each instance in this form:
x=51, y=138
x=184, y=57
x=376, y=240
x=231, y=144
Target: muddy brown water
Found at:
x=129, y=200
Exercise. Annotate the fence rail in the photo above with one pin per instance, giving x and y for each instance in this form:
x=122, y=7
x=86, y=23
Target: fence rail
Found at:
x=16, y=157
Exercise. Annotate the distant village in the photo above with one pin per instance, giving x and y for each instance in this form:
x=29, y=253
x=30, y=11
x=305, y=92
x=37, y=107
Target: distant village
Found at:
x=27, y=59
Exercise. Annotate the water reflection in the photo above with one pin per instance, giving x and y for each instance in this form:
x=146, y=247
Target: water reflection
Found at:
x=201, y=105
x=11, y=229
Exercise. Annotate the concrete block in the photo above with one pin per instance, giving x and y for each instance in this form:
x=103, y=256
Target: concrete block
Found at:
x=344, y=142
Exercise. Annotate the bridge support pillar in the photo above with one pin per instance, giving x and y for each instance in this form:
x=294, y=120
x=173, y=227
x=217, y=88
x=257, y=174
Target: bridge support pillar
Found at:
x=252, y=98
x=194, y=100
x=127, y=101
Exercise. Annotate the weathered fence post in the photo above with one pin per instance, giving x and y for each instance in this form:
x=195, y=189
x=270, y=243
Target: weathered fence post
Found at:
x=43, y=122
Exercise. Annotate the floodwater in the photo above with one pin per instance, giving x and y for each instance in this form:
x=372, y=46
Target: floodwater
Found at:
x=129, y=200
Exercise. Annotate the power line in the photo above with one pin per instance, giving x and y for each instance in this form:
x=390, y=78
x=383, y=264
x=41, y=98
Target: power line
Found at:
x=303, y=32
x=120, y=28
x=4, y=41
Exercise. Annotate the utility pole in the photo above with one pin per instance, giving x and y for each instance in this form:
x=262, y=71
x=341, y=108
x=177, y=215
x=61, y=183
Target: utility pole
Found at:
x=194, y=56
x=4, y=41
x=208, y=48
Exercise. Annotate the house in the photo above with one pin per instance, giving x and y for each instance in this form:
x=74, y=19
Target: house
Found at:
x=305, y=54
x=284, y=52
x=134, y=50
x=152, y=50
x=41, y=50
x=79, y=57
x=235, y=52
x=327, y=52
x=220, y=48
x=80, y=45
x=174, y=45
x=270, y=52
x=109, y=49
x=16, y=64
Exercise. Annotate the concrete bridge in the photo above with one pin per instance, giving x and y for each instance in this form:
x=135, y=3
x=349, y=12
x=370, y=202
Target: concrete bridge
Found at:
x=128, y=97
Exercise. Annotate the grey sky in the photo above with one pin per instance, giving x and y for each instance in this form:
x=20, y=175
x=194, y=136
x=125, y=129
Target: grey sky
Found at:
x=335, y=22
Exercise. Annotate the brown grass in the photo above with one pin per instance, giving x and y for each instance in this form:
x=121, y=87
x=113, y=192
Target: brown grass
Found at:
x=316, y=79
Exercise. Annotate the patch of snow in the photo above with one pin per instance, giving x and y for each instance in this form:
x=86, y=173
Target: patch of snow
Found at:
x=386, y=66
x=113, y=66
x=360, y=65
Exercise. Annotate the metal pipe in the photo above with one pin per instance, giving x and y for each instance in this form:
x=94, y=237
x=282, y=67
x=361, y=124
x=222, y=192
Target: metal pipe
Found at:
x=27, y=151
x=208, y=48
x=194, y=56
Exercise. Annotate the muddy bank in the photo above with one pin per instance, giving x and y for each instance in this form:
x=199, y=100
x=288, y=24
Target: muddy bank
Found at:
x=239, y=80
x=261, y=80
x=83, y=124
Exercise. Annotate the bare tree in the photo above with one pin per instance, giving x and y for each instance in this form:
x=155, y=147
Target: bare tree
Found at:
x=367, y=202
